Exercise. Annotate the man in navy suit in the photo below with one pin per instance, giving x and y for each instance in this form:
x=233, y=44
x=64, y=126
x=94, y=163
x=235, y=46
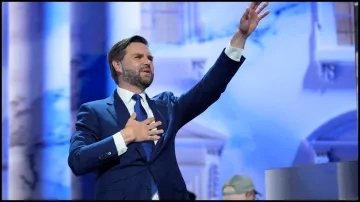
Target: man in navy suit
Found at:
x=128, y=139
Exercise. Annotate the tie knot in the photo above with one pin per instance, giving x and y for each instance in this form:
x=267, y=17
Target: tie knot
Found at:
x=136, y=97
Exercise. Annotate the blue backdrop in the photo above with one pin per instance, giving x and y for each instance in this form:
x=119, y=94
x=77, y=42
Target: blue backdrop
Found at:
x=293, y=102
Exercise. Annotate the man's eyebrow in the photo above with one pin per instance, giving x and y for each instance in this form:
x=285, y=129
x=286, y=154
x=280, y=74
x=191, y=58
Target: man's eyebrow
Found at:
x=151, y=56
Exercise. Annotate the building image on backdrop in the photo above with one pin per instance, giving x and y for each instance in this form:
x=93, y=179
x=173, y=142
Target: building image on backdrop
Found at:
x=293, y=102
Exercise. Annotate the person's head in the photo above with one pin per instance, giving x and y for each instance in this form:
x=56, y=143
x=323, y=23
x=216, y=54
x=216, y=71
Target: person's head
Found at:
x=131, y=63
x=192, y=196
x=239, y=187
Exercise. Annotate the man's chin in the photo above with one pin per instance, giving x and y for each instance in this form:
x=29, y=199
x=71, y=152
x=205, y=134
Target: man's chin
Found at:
x=146, y=82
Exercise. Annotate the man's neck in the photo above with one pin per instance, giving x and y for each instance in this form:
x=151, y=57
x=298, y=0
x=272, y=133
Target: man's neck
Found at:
x=131, y=88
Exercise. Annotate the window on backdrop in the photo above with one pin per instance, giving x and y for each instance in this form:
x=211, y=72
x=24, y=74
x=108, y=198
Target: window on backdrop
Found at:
x=344, y=16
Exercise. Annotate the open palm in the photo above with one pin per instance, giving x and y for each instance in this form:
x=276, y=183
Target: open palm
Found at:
x=252, y=17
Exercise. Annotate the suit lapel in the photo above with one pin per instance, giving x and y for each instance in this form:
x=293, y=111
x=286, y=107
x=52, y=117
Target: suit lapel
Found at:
x=119, y=112
x=159, y=112
x=117, y=109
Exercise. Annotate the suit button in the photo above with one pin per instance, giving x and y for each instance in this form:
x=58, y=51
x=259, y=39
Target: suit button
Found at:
x=109, y=153
x=147, y=189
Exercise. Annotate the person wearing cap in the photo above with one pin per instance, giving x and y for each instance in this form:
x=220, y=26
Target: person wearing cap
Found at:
x=239, y=187
x=192, y=196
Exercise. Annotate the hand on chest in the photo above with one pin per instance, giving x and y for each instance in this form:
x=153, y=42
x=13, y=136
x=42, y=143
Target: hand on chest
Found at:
x=144, y=110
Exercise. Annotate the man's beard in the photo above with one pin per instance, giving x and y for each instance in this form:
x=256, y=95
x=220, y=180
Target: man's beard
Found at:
x=132, y=77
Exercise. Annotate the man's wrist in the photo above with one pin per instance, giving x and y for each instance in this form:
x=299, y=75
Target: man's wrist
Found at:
x=238, y=40
x=127, y=135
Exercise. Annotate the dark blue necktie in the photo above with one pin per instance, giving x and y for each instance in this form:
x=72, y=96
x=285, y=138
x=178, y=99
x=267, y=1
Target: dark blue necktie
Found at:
x=147, y=145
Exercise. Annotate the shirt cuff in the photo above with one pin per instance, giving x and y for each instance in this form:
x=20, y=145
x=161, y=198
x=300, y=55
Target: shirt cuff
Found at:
x=119, y=143
x=233, y=53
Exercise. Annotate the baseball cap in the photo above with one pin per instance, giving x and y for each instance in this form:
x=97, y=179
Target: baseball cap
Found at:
x=241, y=185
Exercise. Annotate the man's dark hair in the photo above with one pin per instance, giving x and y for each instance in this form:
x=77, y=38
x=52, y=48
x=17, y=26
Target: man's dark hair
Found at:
x=118, y=52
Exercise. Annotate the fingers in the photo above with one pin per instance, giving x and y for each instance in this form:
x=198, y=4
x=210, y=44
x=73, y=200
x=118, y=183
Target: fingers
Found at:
x=148, y=120
x=254, y=5
x=264, y=14
x=133, y=116
x=156, y=132
x=154, y=137
x=153, y=125
x=262, y=7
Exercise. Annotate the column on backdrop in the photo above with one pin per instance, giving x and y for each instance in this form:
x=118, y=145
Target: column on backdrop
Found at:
x=88, y=35
x=56, y=102
x=4, y=100
x=26, y=52
x=120, y=27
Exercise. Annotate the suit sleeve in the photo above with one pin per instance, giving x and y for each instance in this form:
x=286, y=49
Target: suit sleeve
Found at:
x=209, y=88
x=87, y=152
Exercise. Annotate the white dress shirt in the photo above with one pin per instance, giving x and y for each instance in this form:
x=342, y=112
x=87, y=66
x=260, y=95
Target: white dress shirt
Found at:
x=126, y=96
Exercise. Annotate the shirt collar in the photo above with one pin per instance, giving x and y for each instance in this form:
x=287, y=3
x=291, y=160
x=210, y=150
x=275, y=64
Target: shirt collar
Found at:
x=126, y=95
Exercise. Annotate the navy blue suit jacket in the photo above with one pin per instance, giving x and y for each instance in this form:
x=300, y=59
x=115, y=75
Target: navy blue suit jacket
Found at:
x=92, y=148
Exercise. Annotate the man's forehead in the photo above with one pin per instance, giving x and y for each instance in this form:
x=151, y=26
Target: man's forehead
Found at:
x=234, y=197
x=138, y=48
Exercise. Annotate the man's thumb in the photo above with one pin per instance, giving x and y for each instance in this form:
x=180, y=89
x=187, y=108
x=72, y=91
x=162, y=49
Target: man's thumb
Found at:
x=246, y=14
x=133, y=116
x=247, y=11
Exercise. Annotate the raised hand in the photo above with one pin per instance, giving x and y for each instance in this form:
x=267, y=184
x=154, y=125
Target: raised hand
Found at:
x=252, y=17
x=248, y=23
x=136, y=131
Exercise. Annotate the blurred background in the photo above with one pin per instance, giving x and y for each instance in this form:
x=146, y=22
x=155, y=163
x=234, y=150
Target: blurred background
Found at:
x=293, y=102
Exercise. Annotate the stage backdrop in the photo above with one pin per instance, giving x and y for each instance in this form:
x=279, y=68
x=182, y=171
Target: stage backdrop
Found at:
x=293, y=102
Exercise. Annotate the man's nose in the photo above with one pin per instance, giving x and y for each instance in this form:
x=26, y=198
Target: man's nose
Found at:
x=146, y=62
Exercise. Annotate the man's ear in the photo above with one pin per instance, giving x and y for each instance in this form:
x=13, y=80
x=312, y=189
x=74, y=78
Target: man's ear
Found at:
x=117, y=66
